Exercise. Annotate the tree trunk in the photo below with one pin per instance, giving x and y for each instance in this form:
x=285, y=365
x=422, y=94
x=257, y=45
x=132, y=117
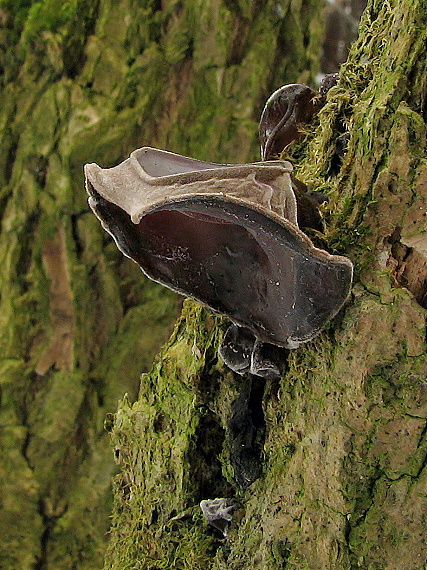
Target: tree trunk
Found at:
x=340, y=442
x=89, y=81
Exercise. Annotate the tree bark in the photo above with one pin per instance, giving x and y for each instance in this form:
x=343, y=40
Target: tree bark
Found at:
x=343, y=442
x=89, y=81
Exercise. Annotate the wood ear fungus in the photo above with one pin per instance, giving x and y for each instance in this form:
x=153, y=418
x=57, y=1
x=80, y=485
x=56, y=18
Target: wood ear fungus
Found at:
x=225, y=235
x=285, y=112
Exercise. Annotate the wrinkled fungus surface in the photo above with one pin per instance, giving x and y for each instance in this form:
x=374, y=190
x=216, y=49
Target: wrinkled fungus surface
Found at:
x=224, y=235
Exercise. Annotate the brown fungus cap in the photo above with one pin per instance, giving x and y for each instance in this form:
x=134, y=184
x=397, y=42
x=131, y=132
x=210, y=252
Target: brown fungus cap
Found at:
x=226, y=235
x=285, y=112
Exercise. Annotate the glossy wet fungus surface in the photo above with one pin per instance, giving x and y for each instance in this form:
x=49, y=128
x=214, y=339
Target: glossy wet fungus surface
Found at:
x=286, y=110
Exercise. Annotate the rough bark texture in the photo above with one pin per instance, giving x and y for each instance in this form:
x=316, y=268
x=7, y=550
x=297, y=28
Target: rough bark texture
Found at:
x=85, y=81
x=344, y=477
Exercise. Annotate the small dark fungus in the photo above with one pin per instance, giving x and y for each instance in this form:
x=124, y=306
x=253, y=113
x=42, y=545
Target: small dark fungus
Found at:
x=218, y=513
x=224, y=235
x=341, y=147
x=308, y=202
x=237, y=348
x=264, y=360
x=243, y=352
x=285, y=112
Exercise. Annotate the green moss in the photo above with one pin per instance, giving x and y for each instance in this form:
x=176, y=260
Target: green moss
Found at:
x=47, y=15
x=161, y=77
x=168, y=412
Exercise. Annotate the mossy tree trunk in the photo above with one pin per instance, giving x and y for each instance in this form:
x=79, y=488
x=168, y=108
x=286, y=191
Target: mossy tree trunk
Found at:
x=86, y=81
x=344, y=473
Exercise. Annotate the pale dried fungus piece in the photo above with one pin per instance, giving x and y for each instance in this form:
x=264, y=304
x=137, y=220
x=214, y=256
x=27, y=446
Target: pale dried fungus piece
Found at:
x=218, y=513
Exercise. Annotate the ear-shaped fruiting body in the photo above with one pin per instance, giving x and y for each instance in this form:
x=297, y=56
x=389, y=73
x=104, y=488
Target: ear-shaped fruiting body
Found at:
x=285, y=112
x=224, y=235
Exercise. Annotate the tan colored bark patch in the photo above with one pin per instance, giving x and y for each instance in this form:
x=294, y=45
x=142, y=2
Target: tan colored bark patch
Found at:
x=409, y=254
x=411, y=270
x=62, y=315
